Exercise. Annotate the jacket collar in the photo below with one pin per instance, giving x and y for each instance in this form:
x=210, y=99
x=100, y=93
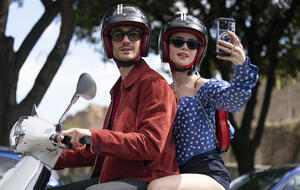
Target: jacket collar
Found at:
x=132, y=76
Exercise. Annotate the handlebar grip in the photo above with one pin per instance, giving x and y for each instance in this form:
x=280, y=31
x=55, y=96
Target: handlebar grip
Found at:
x=85, y=140
x=66, y=140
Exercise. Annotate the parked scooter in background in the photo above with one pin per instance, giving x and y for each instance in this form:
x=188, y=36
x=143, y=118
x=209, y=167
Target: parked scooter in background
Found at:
x=35, y=138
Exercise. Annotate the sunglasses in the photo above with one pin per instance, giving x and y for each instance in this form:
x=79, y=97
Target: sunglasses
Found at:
x=191, y=44
x=133, y=35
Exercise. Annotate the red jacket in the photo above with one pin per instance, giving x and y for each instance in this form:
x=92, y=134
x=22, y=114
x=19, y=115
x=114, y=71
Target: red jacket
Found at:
x=140, y=144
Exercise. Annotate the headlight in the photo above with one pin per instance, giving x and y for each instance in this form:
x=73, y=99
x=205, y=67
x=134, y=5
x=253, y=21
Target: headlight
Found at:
x=17, y=133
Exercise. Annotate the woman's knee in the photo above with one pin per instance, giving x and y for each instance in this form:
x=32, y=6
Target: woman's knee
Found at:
x=165, y=183
x=154, y=185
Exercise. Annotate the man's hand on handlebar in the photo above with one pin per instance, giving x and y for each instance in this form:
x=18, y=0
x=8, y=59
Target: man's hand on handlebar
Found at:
x=76, y=135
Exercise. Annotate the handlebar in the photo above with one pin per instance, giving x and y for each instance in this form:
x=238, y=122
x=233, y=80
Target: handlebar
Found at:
x=85, y=140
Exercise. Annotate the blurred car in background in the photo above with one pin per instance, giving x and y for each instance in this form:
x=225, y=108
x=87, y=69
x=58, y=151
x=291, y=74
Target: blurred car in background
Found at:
x=9, y=159
x=275, y=178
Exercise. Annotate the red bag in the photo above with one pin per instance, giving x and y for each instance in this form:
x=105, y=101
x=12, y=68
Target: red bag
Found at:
x=222, y=130
x=222, y=133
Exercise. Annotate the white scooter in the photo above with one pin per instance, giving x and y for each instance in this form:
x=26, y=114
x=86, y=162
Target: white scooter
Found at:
x=35, y=138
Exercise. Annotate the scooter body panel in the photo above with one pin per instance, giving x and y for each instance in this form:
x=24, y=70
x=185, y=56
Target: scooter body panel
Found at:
x=23, y=175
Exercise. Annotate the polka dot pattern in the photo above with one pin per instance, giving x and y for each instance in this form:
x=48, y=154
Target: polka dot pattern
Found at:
x=192, y=132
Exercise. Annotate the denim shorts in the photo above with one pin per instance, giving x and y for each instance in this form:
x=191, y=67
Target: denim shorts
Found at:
x=209, y=163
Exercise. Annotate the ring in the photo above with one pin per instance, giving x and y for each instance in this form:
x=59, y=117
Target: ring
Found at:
x=233, y=48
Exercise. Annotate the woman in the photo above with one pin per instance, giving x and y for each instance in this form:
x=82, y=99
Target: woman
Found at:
x=183, y=44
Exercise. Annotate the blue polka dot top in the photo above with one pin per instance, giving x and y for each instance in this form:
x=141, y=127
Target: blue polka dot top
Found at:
x=192, y=132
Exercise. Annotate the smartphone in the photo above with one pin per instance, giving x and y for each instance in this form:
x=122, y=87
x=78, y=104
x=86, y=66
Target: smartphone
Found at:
x=224, y=24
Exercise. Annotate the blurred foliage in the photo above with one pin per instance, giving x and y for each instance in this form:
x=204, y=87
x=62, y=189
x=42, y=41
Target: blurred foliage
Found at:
x=256, y=23
x=70, y=126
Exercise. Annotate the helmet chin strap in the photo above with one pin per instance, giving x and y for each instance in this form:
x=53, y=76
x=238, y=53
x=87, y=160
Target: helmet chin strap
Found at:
x=189, y=67
x=135, y=62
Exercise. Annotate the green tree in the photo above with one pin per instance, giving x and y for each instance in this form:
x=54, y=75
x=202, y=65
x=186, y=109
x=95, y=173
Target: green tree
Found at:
x=269, y=32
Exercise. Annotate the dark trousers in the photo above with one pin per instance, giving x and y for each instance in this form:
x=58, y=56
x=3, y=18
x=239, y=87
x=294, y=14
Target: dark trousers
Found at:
x=93, y=184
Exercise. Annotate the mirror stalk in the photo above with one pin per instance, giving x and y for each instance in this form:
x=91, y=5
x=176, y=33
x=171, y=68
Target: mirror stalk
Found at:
x=86, y=88
x=74, y=99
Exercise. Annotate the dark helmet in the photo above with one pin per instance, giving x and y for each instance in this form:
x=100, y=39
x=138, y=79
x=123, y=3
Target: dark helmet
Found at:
x=183, y=23
x=125, y=15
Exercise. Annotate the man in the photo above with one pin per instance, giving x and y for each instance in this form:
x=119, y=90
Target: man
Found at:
x=136, y=144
